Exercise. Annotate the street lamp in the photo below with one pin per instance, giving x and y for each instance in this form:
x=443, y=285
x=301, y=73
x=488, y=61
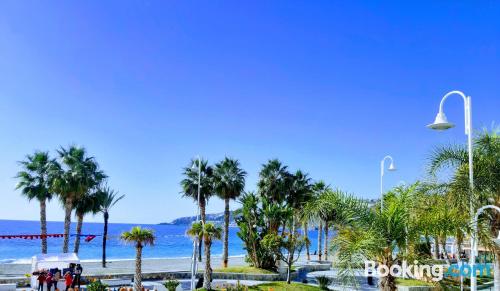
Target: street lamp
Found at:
x=382, y=167
x=441, y=123
x=194, y=262
x=474, y=241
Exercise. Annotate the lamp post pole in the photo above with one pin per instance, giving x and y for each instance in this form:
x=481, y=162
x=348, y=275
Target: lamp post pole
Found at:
x=382, y=167
x=441, y=123
x=194, y=262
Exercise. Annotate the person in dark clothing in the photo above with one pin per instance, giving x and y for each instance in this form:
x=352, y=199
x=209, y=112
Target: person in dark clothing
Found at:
x=49, y=280
x=41, y=280
x=78, y=274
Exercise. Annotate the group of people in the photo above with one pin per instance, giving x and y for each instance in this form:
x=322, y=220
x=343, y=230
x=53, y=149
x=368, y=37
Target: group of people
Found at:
x=72, y=277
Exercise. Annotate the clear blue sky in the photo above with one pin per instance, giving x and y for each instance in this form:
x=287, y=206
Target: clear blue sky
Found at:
x=329, y=87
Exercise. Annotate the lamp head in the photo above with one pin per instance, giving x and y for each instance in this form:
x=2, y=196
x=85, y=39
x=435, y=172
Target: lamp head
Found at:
x=392, y=167
x=441, y=122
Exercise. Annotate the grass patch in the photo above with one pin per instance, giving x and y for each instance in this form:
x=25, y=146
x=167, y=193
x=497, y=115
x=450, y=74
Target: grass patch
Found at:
x=412, y=282
x=244, y=270
x=282, y=286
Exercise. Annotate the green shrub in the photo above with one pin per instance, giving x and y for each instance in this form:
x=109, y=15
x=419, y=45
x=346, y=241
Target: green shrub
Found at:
x=97, y=286
x=323, y=282
x=171, y=285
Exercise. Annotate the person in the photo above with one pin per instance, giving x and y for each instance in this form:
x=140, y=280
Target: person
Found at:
x=68, y=279
x=49, y=280
x=78, y=274
x=57, y=277
x=41, y=280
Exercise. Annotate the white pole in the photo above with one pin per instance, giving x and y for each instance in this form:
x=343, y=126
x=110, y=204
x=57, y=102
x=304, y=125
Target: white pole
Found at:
x=194, y=263
x=468, y=114
x=468, y=132
x=382, y=185
x=382, y=166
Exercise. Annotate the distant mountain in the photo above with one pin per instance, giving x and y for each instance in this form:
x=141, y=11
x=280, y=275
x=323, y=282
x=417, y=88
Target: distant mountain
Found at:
x=217, y=218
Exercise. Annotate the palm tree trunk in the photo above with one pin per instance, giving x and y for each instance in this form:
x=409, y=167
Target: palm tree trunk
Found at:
x=104, y=238
x=388, y=283
x=68, y=208
x=43, y=224
x=306, y=237
x=225, y=246
x=443, y=245
x=326, y=241
x=496, y=272
x=320, y=238
x=207, y=279
x=435, y=255
x=138, y=268
x=203, y=219
x=78, y=232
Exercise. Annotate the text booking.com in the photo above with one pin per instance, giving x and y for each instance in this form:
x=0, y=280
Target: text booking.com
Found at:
x=437, y=272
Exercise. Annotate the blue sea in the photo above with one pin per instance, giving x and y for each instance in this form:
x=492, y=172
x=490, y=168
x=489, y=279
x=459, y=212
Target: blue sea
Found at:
x=171, y=241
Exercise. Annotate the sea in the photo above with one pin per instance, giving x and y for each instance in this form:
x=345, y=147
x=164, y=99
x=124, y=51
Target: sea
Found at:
x=171, y=241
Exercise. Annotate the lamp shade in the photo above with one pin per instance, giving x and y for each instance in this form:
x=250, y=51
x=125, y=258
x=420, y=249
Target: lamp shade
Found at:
x=441, y=122
x=392, y=167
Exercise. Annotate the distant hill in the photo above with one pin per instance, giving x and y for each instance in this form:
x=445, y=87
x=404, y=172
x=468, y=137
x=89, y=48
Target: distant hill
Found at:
x=217, y=218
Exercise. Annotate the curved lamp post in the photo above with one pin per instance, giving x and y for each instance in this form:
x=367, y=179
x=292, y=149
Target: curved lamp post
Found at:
x=194, y=262
x=475, y=240
x=442, y=123
x=382, y=167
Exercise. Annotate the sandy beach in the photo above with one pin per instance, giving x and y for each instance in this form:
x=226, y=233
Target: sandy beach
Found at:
x=124, y=266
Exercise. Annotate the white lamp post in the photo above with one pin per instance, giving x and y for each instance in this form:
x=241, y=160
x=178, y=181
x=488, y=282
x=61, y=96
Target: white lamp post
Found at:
x=475, y=240
x=194, y=262
x=382, y=167
x=441, y=123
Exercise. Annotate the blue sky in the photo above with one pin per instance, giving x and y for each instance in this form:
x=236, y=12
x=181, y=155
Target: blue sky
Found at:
x=329, y=87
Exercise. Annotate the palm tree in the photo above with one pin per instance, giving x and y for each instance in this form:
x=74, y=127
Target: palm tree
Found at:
x=300, y=192
x=34, y=184
x=85, y=204
x=190, y=186
x=209, y=232
x=139, y=237
x=486, y=158
x=378, y=235
x=314, y=211
x=108, y=198
x=74, y=176
x=272, y=181
x=229, y=182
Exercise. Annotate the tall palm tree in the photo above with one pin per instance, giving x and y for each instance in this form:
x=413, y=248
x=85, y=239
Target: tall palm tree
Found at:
x=209, y=232
x=300, y=192
x=272, y=181
x=486, y=158
x=314, y=211
x=75, y=175
x=139, y=237
x=85, y=204
x=34, y=184
x=190, y=186
x=229, y=182
x=108, y=198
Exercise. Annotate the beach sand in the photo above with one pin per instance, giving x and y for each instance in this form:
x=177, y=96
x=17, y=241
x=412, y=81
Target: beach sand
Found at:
x=124, y=266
